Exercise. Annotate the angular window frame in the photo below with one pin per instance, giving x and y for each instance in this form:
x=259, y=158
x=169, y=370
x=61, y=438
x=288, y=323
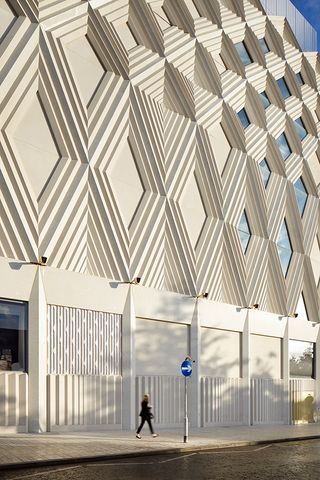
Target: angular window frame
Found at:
x=281, y=150
x=243, y=53
x=244, y=233
x=301, y=193
x=299, y=79
x=296, y=350
x=263, y=169
x=283, y=248
x=244, y=118
x=301, y=130
x=265, y=100
x=283, y=87
x=264, y=45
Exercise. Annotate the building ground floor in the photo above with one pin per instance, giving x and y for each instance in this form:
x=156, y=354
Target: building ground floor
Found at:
x=78, y=352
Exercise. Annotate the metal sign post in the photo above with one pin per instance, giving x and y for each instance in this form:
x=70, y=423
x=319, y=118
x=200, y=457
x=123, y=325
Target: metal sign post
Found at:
x=186, y=370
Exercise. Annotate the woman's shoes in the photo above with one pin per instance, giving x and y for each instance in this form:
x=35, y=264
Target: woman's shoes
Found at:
x=138, y=436
x=155, y=435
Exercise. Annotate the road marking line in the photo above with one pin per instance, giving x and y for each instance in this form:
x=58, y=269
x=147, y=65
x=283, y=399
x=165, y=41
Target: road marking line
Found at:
x=116, y=464
x=45, y=473
x=177, y=458
x=239, y=451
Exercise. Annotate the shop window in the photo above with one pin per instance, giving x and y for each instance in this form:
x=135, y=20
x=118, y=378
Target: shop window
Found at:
x=284, y=147
x=284, y=248
x=264, y=45
x=300, y=128
x=244, y=231
x=282, y=84
x=301, y=195
x=243, y=117
x=265, y=172
x=13, y=336
x=265, y=99
x=301, y=357
x=243, y=53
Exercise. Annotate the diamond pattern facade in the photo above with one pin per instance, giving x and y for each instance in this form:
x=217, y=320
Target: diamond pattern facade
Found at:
x=151, y=89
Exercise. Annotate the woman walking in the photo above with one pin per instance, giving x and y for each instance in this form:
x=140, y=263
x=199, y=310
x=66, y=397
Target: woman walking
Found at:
x=146, y=416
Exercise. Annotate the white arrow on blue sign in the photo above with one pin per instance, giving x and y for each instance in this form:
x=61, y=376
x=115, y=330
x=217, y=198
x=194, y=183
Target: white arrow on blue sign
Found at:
x=186, y=368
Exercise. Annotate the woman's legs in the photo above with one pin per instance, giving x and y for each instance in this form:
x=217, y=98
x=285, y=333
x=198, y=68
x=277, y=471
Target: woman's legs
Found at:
x=141, y=425
x=150, y=425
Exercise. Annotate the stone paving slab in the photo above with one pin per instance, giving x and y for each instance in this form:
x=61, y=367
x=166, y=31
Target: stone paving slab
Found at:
x=55, y=448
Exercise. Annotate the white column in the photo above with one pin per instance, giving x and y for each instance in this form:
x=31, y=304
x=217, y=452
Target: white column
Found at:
x=286, y=375
x=37, y=354
x=317, y=377
x=129, y=413
x=194, y=404
x=246, y=373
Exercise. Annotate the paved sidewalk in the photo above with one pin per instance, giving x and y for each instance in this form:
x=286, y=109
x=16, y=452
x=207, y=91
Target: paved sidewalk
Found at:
x=56, y=448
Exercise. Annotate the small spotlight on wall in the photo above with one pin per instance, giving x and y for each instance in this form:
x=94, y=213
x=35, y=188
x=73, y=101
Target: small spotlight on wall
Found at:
x=43, y=261
x=135, y=281
x=292, y=315
x=202, y=295
x=254, y=306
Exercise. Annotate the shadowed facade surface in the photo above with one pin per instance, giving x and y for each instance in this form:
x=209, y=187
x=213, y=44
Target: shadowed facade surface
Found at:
x=176, y=141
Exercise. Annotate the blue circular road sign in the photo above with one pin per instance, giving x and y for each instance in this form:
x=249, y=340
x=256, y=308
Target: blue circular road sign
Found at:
x=186, y=368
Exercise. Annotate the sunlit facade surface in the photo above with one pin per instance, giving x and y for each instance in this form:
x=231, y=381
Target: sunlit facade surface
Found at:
x=160, y=184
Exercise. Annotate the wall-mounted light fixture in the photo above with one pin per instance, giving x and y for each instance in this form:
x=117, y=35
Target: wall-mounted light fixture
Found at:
x=254, y=306
x=293, y=315
x=202, y=295
x=135, y=281
x=42, y=262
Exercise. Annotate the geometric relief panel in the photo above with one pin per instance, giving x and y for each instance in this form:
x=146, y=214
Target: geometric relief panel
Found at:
x=83, y=342
x=32, y=141
x=193, y=210
x=315, y=260
x=126, y=182
x=6, y=18
x=85, y=66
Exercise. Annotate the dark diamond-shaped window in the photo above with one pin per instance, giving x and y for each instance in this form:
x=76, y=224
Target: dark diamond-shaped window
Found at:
x=243, y=117
x=282, y=84
x=265, y=99
x=284, y=248
x=299, y=79
x=243, y=53
x=244, y=231
x=301, y=195
x=284, y=147
x=300, y=128
x=265, y=171
x=264, y=45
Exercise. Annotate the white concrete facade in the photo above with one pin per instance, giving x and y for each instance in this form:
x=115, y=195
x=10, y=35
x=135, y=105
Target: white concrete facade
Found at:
x=123, y=156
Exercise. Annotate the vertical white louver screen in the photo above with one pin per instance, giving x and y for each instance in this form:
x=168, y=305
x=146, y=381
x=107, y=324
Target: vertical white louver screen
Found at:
x=83, y=342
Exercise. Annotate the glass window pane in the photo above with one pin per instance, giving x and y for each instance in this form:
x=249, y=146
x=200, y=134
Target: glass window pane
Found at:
x=244, y=239
x=301, y=195
x=244, y=119
x=264, y=46
x=283, y=88
x=299, y=79
x=13, y=336
x=243, y=53
x=285, y=257
x=283, y=145
x=301, y=357
x=244, y=231
x=301, y=131
x=265, y=100
x=283, y=237
x=265, y=171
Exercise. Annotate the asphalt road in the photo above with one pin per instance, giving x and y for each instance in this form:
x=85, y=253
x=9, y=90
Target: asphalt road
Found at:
x=281, y=461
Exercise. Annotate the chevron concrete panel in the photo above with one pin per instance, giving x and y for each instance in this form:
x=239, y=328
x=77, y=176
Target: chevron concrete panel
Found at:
x=123, y=153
